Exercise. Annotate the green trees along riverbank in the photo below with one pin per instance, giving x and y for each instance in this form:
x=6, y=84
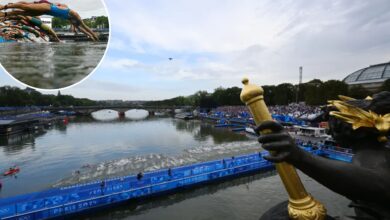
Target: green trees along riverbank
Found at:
x=13, y=96
x=315, y=92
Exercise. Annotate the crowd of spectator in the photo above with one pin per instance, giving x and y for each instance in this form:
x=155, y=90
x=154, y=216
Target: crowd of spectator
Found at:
x=296, y=110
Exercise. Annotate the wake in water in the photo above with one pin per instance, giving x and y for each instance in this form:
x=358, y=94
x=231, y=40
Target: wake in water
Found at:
x=133, y=165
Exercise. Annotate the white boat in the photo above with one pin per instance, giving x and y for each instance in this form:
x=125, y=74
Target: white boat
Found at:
x=185, y=116
x=250, y=130
x=311, y=131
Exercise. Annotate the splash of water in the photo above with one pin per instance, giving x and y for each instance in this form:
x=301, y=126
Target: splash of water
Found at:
x=144, y=163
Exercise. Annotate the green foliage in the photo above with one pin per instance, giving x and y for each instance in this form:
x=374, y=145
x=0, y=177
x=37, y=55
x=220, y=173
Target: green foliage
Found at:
x=318, y=92
x=358, y=92
x=229, y=96
x=203, y=99
x=101, y=21
x=94, y=22
x=269, y=93
x=386, y=85
x=331, y=89
x=314, y=92
x=60, y=23
x=284, y=94
x=13, y=96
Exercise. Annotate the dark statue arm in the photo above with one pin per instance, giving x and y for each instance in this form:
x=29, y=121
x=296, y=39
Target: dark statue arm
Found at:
x=354, y=181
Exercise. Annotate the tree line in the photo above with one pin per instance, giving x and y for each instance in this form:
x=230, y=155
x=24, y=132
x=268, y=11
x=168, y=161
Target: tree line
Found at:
x=95, y=22
x=13, y=96
x=314, y=92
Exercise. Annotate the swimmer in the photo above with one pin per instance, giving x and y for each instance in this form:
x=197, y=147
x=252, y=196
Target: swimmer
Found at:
x=36, y=22
x=26, y=29
x=140, y=175
x=20, y=33
x=46, y=8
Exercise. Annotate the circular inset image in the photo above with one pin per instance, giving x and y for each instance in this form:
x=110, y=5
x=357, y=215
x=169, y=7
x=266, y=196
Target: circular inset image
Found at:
x=52, y=44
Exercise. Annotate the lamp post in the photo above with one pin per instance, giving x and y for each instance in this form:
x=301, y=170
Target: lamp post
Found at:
x=300, y=82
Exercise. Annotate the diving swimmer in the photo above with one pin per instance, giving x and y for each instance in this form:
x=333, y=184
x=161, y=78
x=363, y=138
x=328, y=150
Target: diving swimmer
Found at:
x=47, y=8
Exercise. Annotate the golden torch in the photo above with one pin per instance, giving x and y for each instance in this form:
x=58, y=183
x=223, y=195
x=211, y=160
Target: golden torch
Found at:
x=301, y=204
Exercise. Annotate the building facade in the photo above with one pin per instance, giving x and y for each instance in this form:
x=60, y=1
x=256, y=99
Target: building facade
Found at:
x=371, y=78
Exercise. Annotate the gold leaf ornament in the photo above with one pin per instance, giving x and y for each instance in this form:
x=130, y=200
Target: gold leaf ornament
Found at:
x=358, y=117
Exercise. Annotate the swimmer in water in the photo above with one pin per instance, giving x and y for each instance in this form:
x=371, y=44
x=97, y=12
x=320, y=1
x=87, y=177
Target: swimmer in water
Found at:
x=19, y=33
x=26, y=29
x=46, y=8
x=36, y=23
x=16, y=34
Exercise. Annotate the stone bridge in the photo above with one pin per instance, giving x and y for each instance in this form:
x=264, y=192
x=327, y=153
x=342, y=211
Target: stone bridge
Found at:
x=86, y=110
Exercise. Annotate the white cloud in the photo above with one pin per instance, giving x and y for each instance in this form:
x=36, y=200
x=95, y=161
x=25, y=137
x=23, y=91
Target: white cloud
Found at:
x=120, y=63
x=199, y=26
x=329, y=38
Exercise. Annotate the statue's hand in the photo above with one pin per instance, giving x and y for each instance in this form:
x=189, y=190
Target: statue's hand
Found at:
x=281, y=145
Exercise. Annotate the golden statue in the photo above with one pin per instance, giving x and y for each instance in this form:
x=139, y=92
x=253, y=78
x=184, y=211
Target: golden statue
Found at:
x=301, y=204
x=362, y=125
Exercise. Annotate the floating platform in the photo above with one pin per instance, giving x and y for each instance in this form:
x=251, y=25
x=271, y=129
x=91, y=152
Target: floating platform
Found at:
x=238, y=129
x=10, y=125
x=62, y=202
x=336, y=155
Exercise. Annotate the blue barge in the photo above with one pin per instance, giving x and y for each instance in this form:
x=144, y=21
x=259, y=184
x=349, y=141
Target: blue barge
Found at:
x=62, y=202
x=335, y=155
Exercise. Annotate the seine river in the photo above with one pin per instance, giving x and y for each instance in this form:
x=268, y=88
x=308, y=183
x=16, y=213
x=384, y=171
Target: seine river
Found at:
x=91, y=148
x=51, y=65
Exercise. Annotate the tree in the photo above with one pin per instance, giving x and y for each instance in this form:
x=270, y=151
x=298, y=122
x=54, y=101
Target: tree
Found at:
x=358, y=92
x=386, y=86
x=102, y=21
x=60, y=23
x=284, y=94
x=269, y=93
x=13, y=96
x=229, y=96
x=302, y=91
x=331, y=89
x=313, y=92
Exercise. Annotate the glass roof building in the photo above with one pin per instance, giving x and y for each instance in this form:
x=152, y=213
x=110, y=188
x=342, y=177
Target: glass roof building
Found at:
x=371, y=77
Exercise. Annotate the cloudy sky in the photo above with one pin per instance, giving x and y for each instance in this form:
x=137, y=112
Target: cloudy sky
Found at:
x=215, y=43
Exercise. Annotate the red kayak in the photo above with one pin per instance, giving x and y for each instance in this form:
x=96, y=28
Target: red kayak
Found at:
x=11, y=171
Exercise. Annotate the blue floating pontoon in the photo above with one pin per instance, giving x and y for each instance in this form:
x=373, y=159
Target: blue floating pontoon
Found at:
x=336, y=155
x=60, y=202
x=239, y=129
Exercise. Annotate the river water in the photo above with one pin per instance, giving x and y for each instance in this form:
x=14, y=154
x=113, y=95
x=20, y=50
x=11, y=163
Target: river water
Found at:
x=104, y=146
x=51, y=65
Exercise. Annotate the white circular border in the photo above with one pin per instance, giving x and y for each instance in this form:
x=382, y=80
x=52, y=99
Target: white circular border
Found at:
x=87, y=76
